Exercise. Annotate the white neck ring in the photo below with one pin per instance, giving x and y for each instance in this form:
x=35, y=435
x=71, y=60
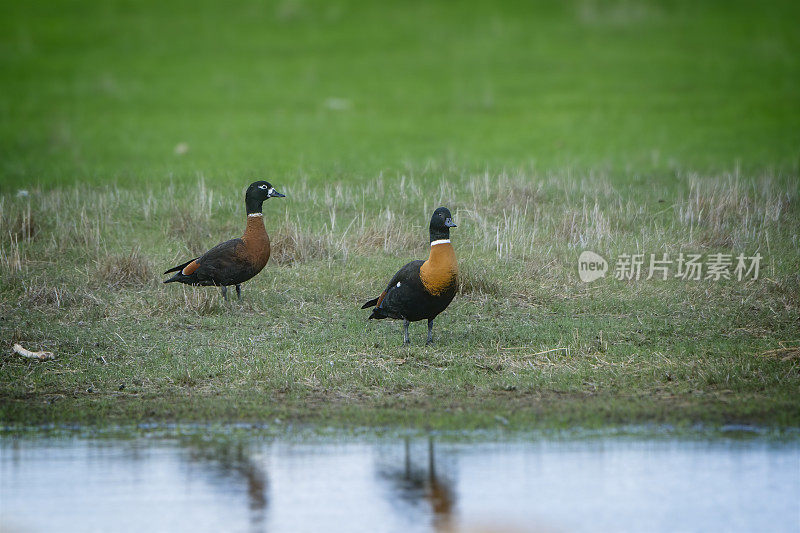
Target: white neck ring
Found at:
x=440, y=241
x=254, y=215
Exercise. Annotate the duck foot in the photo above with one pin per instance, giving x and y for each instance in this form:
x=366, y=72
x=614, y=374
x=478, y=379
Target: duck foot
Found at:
x=406, y=340
x=238, y=291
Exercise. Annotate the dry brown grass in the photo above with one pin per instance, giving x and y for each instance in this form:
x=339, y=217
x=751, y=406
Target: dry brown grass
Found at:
x=389, y=239
x=730, y=212
x=83, y=228
x=16, y=227
x=125, y=270
x=201, y=301
x=11, y=261
x=42, y=294
x=22, y=227
x=191, y=230
x=292, y=245
x=517, y=218
x=784, y=353
x=478, y=280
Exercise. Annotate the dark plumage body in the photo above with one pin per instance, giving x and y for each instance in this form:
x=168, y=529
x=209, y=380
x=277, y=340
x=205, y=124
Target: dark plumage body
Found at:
x=421, y=290
x=235, y=261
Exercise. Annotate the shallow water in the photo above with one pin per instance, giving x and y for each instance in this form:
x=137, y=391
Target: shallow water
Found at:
x=392, y=483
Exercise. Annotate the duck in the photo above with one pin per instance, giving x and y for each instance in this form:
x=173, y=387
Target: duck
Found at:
x=237, y=260
x=422, y=289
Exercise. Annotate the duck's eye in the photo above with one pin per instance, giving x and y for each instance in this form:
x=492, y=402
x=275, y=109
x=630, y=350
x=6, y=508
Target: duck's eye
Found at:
x=263, y=187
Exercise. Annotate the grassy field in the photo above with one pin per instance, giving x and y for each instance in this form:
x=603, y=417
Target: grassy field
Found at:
x=343, y=90
x=526, y=340
x=616, y=127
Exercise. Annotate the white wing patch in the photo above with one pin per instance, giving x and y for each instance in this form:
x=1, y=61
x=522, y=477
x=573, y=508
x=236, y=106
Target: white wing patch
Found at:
x=398, y=284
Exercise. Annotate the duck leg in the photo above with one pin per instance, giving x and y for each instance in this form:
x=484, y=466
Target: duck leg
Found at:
x=430, y=332
x=238, y=291
x=406, y=340
x=225, y=293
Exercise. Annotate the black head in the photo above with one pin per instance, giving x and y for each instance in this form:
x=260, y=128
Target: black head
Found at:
x=441, y=222
x=257, y=192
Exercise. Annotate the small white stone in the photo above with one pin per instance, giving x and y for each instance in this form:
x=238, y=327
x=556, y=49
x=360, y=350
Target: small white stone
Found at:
x=338, y=104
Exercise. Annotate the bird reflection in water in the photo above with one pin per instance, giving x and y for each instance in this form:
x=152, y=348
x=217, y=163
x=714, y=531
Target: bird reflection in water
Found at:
x=414, y=485
x=231, y=461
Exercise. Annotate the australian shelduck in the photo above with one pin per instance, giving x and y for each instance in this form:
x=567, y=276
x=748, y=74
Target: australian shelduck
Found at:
x=422, y=289
x=235, y=261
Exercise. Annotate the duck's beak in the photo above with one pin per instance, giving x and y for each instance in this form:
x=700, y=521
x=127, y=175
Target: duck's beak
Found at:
x=449, y=223
x=275, y=194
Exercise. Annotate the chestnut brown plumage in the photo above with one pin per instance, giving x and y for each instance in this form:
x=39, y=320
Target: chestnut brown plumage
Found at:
x=235, y=261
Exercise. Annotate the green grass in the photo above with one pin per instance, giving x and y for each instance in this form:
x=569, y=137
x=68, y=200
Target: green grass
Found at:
x=548, y=129
x=525, y=341
x=342, y=91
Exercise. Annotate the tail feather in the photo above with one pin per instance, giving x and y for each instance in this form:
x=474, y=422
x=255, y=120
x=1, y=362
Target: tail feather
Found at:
x=371, y=303
x=179, y=267
x=176, y=277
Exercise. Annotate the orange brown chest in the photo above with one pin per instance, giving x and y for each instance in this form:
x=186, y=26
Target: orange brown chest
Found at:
x=256, y=247
x=439, y=274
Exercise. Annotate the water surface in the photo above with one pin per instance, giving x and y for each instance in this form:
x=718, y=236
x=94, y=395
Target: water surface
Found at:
x=217, y=482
